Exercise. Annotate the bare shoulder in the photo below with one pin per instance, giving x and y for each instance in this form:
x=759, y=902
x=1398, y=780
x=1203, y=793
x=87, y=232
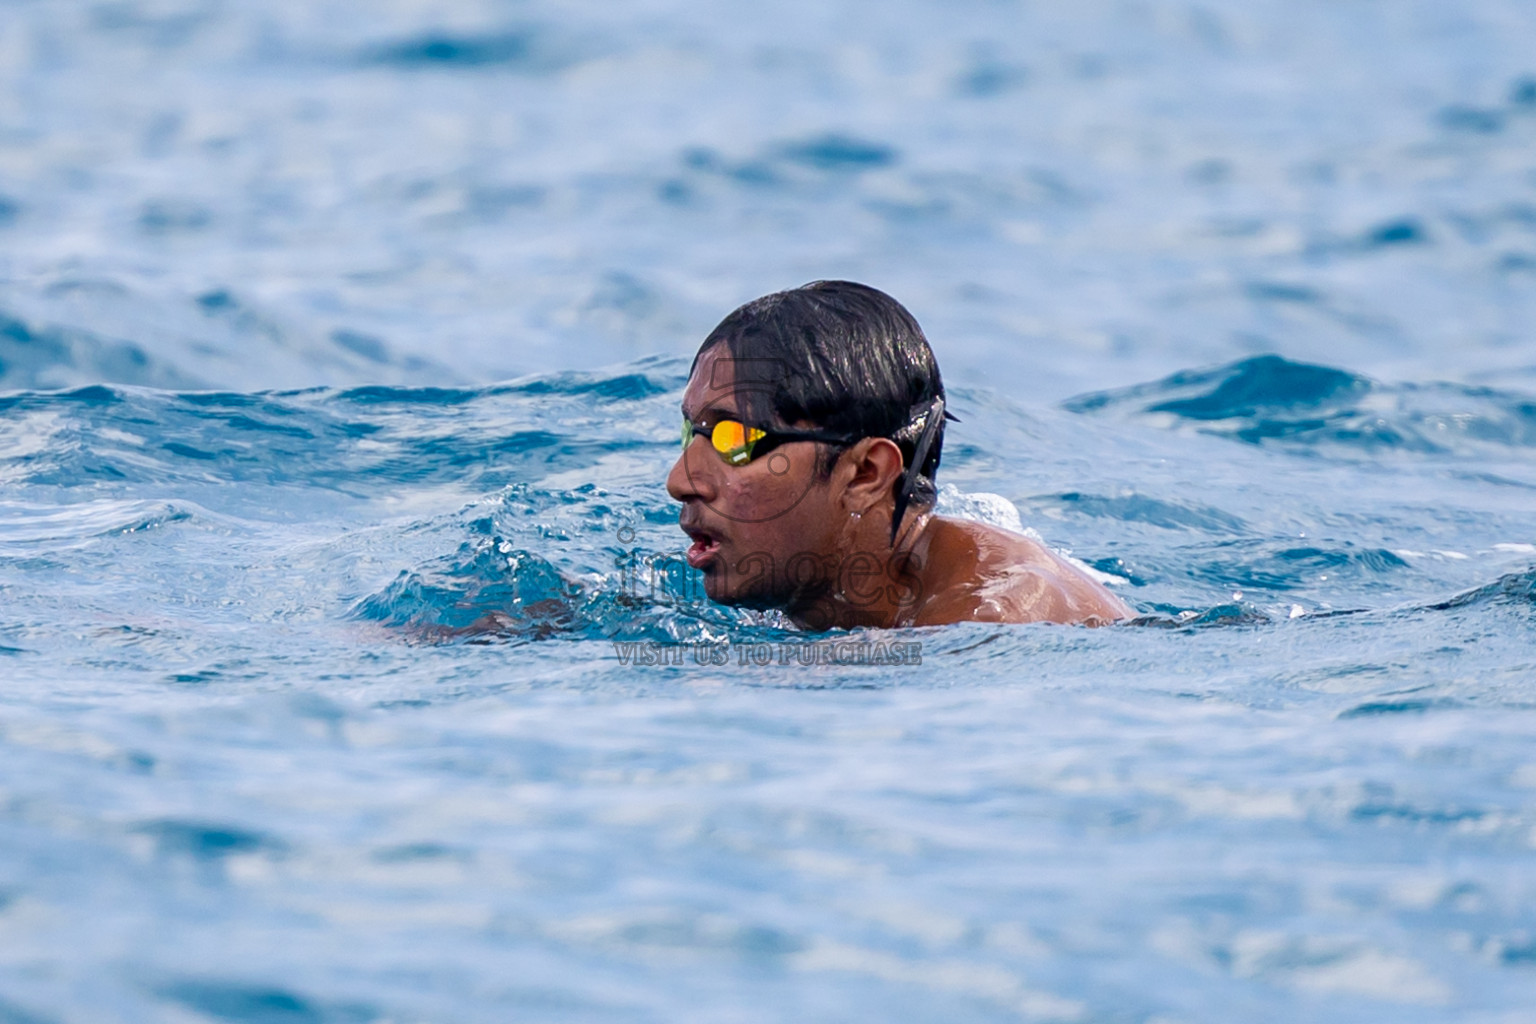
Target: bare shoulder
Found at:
x=982, y=573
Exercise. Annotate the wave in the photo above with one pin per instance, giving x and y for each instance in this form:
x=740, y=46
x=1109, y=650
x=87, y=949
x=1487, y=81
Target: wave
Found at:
x=84, y=331
x=358, y=442
x=26, y=527
x=235, y=1001
x=1272, y=400
x=539, y=558
x=1231, y=613
x=490, y=589
x=33, y=356
x=1276, y=566
x=1141, y=508
x=1516, y=588
x=525, y=49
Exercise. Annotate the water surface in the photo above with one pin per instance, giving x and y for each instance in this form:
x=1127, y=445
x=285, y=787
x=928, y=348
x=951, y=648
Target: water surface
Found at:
x=328, y=332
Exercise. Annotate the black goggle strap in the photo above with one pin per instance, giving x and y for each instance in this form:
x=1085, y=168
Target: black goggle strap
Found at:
x=773, y=438
x=934, y=416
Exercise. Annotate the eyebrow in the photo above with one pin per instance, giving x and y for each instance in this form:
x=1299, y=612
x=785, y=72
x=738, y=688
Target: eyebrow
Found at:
x=730, y=414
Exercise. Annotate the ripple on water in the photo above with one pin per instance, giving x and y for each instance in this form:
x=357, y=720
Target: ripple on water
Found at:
x=245, y=773
x=1268, y=399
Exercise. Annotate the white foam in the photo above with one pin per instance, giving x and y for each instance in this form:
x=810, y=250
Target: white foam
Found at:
x=996, y=510
x=981, y=507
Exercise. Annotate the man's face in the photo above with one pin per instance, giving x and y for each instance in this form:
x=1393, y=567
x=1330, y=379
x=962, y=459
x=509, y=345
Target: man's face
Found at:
x=764, y=533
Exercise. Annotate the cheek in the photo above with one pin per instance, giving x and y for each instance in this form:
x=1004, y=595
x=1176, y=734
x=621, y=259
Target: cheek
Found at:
x=772, y=505
x=751, y=492
x=807, y=526
x=762, y=498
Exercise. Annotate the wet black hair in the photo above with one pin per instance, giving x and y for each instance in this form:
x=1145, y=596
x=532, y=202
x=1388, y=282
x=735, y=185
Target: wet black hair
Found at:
x=848, y=359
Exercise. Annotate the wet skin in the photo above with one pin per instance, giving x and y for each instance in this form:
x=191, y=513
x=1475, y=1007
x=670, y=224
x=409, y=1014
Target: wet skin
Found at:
x=775, y=534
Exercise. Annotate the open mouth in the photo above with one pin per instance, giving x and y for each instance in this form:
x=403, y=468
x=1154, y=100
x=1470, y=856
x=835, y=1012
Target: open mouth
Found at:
x=704, y=548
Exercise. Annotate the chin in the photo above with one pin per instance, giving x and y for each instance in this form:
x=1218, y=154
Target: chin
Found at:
x=715, y=589
x=718, y=590
x=720, y=594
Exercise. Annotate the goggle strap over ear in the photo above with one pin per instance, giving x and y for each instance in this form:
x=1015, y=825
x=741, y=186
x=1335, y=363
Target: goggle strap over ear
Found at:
x=933, y=418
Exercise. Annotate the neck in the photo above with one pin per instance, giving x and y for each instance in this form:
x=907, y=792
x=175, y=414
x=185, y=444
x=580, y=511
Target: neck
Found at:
x=877, y=582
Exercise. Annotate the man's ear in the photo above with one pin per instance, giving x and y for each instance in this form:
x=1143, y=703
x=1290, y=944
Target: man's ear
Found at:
x=872, y=467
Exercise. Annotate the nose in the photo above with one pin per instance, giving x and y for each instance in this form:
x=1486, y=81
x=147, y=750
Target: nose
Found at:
x=690, y=476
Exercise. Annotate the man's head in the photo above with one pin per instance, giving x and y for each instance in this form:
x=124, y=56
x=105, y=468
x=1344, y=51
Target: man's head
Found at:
x=842, y=381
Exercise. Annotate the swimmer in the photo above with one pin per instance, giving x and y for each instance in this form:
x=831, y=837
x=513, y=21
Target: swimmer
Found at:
x=813, y=425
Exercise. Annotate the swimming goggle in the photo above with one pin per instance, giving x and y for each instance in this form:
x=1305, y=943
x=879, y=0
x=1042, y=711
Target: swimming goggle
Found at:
x=738, y=444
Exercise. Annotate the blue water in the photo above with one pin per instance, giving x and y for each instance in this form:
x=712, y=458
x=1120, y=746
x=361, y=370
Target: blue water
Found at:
x=340, y=353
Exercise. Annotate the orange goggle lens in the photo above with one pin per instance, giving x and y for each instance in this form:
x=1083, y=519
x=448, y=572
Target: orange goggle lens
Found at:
x=733, y=440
